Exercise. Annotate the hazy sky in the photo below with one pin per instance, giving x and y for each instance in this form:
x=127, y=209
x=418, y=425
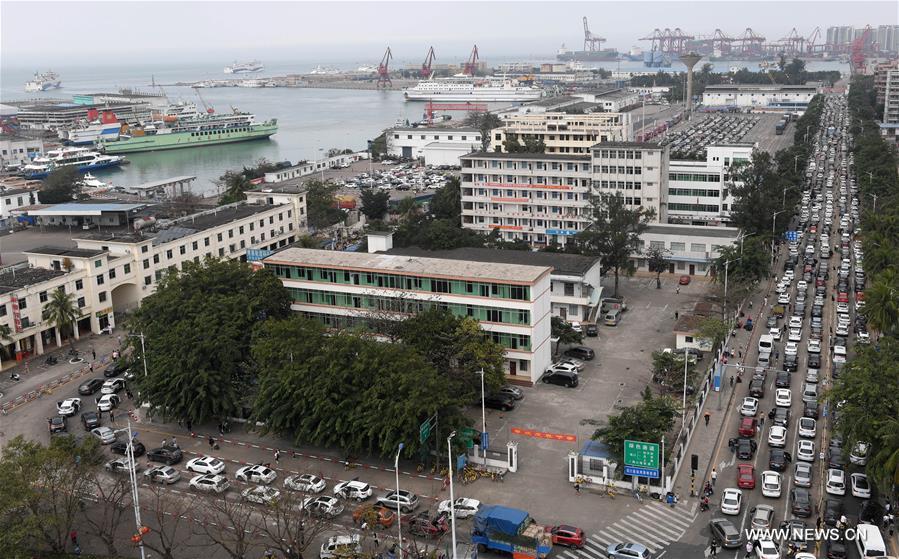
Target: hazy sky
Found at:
x=36, y=33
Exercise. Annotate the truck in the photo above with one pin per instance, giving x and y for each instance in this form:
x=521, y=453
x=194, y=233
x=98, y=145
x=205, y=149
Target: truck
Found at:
x=779, y=128
x=504, y=529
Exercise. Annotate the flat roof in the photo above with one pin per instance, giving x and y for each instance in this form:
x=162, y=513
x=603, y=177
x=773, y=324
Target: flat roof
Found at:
x=567, y=264
x=759, y=87
x=550, y=101
x=707, y=231
x=163, y=182
x=20, y=190
x=433, y=129
x=504, y=155
x=13, y=279
x=409, y=265
x=281, y=187
x=66, y=252
x=637, y=145
x=87, y=208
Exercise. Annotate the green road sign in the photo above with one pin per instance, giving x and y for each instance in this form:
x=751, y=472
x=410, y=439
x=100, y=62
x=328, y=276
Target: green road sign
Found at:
x=642, y=455
x=424, y=430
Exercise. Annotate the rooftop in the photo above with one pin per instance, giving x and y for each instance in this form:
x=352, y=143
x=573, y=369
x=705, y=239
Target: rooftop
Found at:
x=760, y=87
x=553, y=101
x=564, y=264
x=12, y=279
x=163, y=182
x=66, y=252
x=697, y=230
x=410, y=265
x=87, y=208
x=637, y=145
x=542, y=156
x=290, y=186
x=434, y=129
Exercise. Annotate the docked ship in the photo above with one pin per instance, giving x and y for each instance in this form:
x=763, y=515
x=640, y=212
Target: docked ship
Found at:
x=656, y=59
x=92, y=129
x=43, y=82
x=203, y=130
x=466, y=88
x=82, y=158
x=602, y=55
x=244, y=67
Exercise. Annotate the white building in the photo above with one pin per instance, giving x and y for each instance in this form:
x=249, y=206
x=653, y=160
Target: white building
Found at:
x=611, y=101
x=436, y=146
x=562, y=132
x=700, y=192
x=14, y=197
x=761, y=96
x=345, y=289
x=541, y=198
x=311, y=167
x=636, y=170
x=690, y=248
x=18, y=150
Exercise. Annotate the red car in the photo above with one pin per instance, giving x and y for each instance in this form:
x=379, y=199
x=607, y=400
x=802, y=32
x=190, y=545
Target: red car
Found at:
x=745, y=476
x=747, y=427
x=859, y=296
x=842, y=297
x=567, y=535
x=684, y=280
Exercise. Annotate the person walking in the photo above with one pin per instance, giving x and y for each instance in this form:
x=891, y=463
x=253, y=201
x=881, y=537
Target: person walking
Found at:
x=713, y=549
x=278, y=456
x=221, y=429
x=211, y=442
x=707, y=416
x=73, y=535
x=748, y=547
x=577, y=487
x=714, y=476
x=111, y=417
x=94, y=354
x=677, y=290
x=676, y=315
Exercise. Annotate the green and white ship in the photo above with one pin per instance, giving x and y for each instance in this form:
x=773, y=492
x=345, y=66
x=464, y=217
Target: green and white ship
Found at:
x=200, y=130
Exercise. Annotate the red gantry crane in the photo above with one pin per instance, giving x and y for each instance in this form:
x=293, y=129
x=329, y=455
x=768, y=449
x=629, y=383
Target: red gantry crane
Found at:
x=384, y=70
x=425, y=71
x=469, y=67
x=857, y=58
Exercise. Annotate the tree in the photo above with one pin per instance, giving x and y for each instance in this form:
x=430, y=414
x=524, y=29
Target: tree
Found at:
x=668, y=370
x=321, y=204
x=234, y=183
x=289, y=528
x=748, y=264
x=882, y=302
x=485, y=123
x=758, y=192
x=447, y=202
x=168, y=517
x=713, y=329
x=526, y=144
x=375, y=202
x=62, y=312
x=112, y=503
x=657, y=261
x=61, y=185
x=198, y=328
x=648, y=420
x=231, y=525
x=795, y=71
x=563, y=330
x=614, y=233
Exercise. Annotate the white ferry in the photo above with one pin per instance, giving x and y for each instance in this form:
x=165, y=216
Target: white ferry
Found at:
x=472, y=89
x=82, y=158
x=242, y=67
x=43, y=82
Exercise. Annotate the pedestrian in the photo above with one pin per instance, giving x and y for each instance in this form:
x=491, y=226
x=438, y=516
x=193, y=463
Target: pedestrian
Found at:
x=731, y=381
x=818, y=523
x=886, y=520
x=765, y=304
x=165, y=442
x=776, y=354
x=129, y=394
x=377, y=540
x=758, y=429
x=73, y=535
x=577, y=487
x=221, y=429
x=732, y=445
x=713, y=550
x=190, y=425
x=740, y=354
x=676, y=315
x=714, y=476
x=211, y=442
x=277, y=456
x=174, y=443
x=707, y=416
x=364, y=525
x=111, y=417
x=762, y=421
x=91, y=367
x=94, y=354
x=748, y=549
x=677, y=290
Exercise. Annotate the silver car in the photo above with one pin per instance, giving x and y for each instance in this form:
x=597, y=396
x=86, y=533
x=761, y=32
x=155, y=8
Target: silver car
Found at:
x=104, y=434
x=163, y=474
x=802, y=474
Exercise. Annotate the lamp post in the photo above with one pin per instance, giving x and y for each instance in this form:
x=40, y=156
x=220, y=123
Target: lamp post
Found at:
x=684, y=406
x=740, y=238
x=321, y=162
x=724, y=307
x=132, y=478
x=449, y=451
x=483, y=417
x=399, y=519
x=774, y=233
x=143, y=350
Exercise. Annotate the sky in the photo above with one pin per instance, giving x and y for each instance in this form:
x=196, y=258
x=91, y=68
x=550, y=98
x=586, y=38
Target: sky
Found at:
x=35, y=33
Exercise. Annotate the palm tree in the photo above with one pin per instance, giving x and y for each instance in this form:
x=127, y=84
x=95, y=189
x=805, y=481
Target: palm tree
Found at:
x=5, y=336
x=882, y=302
x=61, y=311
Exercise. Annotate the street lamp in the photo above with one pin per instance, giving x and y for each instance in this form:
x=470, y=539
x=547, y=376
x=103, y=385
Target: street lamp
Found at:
x=143, y=350
x=724, y=307
x=483, y=417
x=449, y=450
x=132, y=478
x=774, y=234
x=399, y=519
x=684, y=408
x=740, y=238
x=321, y=162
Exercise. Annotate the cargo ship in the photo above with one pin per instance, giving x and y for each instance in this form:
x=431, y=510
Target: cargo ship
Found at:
x=467, y=88
x=602, y=55
x=203, y=130
x=81, y=158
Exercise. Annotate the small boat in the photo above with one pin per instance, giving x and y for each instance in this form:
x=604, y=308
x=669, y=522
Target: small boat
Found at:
x=92, y=182
x=81, y=158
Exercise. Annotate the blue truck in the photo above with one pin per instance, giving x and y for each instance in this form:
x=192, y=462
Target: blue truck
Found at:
x=512, y=531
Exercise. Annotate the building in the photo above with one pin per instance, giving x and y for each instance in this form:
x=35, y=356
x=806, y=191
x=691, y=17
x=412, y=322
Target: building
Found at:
x=889, y=126
x=562, y=132
x=19, y=150
x=87, y=215
x=761, y=96
x=435, y=146
x=636, y=170
x=838, y=38
x=541, y=198
x=54, y=116
x=575, y=289
x=14, y=197
x=880, y=71
x=691, y=249
x=348, y=289
x=613, y=100
x=307, y=168
x=888, y=38
x=700, y=192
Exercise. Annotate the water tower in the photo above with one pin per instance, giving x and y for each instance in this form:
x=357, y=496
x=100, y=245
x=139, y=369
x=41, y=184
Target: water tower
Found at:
x=689, y=60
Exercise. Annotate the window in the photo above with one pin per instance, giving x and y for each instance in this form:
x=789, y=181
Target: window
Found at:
x=148, y=280
x=112, y=273
x=155, y=259
x=98, y=263
x=240, y=229
x=678, y=247
x=182, y=249
x=206, y=242
x=80, y=302
x=168, y=255
x=102, y=296
x=146, y=263
x=144, y=249
x=3, y=309
x=79, y=284
x=569, y=289
x=195, y=245
x=23, y=304
x=697, y=247
x=221, y=252
x=126, y=268
x=219, y=237
x=100, y=279
x=42, y=296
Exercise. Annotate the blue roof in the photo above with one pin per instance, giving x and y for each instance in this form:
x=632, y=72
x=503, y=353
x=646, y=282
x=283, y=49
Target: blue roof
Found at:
x=596, y=449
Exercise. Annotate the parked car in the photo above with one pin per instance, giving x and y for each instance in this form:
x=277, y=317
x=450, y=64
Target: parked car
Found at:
x=725, y=533
x=580, y=352
x=778, y=459
x=802, y=474
x=860, y=486
x=90, y=419
x=464, y=506
x=353, y=489
x=121, y=447
x=166, y=455
x=261, y=494
x=591, y=330
x=731, y=501
x=91, y=386
x=426, y=526
x=762, y=517
x=163, y=474
x=499, y=401
x=560, y=378
x=68, y=407
x=256, y=473
x=405, y=501
x=57, y=424
x=628, y=551
x=745, y=476
x=307, y=483
x=210, y=483
x=205, y=465
x=104, y=434
x=511, y=390
x=801, y=502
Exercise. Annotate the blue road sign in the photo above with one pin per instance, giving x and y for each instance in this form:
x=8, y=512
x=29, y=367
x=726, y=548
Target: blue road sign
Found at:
x=484, y=440
x=716, y=378
x=641, y=472
x=792, y=235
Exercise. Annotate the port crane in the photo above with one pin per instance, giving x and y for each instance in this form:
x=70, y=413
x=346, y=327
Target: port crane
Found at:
x=425, y=71
x=857, y=57
x=209, y=110
x=592, y=43
x=751, y=43
x=671, y=42
x=384, y=70
x=469, y=67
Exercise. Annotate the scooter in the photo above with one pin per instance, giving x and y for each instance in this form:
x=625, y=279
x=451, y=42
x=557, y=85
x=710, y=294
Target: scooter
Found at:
x=15, y=377
x=51, y=361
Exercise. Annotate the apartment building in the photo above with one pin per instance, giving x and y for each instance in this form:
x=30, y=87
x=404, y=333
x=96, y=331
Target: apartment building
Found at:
x=347, y=289
x=700, y=192
x=17, y=195
x=541, y=198
x=435, y=146
x=889, y=126
x=562, y=132
x=18, y=150
x=636, y=170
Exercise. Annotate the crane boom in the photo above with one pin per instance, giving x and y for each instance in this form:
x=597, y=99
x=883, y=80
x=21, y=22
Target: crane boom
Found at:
x=384, y=70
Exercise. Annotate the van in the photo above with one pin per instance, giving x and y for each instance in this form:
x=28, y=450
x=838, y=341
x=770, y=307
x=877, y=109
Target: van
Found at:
x=612, y=317
x=340, y=545
x=766, y=343
x=764, y=359
x=870, y=541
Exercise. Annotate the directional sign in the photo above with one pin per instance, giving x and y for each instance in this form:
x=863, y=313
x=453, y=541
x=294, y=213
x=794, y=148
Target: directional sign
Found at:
x=791, y=235
x=641, y=472
x=424, y=430
x=641, y=454
x=484, y=441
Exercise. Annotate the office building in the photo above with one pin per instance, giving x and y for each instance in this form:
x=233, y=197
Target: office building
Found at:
x=690, y=249
x=564, y=133
x=435, y=146
x=19, y=150
x=636, y=170
x=761, y=96
x=700, y=192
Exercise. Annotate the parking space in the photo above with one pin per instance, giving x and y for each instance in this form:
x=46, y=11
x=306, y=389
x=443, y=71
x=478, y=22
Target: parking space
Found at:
x=689, y=140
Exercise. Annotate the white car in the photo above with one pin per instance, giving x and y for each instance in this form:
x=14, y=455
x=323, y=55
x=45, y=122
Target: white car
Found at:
x=564, y=366
x=862, y=338
x=306, y=483
x=256, y=474
x=860, y=486
x=805, y=450
x=784, y=298
x=261, y=494
x=789, y=274
x=783, y=398
x=814, y=346
x=843, y=307
x=210, y=483
x=781, y=287
x=795, y=322
x=107, y=402
x=206, y=465
x=750, y=407
x=353, y=489
x=576, y=326
x=68, y=407
x=766, y=549
x=801, y=285
x=795, y=335
x=464, y=507
x=808, y=427
x=104, y=434
x=777, y=436
x=836, y=482
x=324, y=506
x=791, y=348
x=342, y=546
x=163, y=474
x=113, y=386
x=771, y=485
x=839, y=351
x=731, y=501
x=775, y=333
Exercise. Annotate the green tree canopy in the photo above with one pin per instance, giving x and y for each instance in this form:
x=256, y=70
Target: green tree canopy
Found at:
x=484, y=122
x=447, y=201
x=321, y=204
x=563, y=330
x=657, y=261
x=61, y=185
x=61, y=311
x=648, y=420
x=668, y=370
x=374, y=202
x=197, y=326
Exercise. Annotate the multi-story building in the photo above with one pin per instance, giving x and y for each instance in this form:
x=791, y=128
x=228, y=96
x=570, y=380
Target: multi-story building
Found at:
x=436, y=146
x=691, y=249
x=14, y=197
x=636, y=170
x=888, y=38
x=562, y=132
x=880, y=77
x=346, y=289
x=760, y=96
x=18, y=150
x=700, y=192
x=839, y=37
x=541, y=198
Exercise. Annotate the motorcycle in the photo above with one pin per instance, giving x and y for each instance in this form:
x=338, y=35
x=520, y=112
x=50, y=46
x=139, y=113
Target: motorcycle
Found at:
x=51, y=360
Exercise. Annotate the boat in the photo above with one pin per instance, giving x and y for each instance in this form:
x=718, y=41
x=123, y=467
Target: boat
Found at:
x=43, y=82
x=203, y=130
x=467, y=88
x=325, y=70
x=83, y=159
x=92, y=183
x=244, y=67
x=656, y=59
x=602, y=55
x=90, y=130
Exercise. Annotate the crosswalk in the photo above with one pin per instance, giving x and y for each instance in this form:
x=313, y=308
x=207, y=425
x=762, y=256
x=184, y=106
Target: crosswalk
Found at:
x=654, y=525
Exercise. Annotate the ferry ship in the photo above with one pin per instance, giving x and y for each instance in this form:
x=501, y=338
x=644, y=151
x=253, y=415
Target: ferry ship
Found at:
x=89, y=131
x=82, y=158
x=243, y=67
x=204, y=130
x=472, y=89
x=43, y=82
